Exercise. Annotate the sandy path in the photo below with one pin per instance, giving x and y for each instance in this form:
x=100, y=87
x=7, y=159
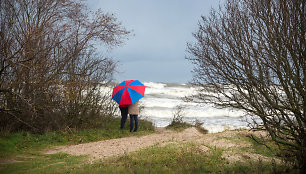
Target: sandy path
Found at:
x=120, y=146
x=116, y=147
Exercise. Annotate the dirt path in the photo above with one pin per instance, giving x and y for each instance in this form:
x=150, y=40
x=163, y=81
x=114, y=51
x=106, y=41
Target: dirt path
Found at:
x=116, y=147
x=120, y=146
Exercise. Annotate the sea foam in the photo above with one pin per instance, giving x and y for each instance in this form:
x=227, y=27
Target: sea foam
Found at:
x=161, y=99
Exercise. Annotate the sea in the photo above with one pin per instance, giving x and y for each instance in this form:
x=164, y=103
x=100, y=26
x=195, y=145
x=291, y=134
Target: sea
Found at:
x=162, y=100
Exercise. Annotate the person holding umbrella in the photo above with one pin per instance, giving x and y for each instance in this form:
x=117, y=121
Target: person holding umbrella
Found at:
x=133, y=112
x=128, y=93
x=124, y=113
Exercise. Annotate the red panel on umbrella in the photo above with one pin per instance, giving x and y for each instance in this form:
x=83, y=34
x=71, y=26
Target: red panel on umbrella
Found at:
x=138, y=88
x=126, y=99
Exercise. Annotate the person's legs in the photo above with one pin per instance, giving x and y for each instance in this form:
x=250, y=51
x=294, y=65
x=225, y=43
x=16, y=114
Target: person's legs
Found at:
x=131, y=122
x=136, y=123
x=124, y=113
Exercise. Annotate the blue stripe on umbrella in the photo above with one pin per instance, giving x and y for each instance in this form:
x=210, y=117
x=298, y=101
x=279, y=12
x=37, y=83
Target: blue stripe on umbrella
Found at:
x=135, y=96
x=135, y=82
x=118, y=95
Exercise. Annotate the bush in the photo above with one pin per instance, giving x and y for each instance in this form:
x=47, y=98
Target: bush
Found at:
x=177, y=122
x=51, y=75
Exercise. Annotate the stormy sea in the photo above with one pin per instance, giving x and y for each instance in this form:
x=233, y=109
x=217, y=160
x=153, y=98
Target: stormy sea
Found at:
x=162, y=100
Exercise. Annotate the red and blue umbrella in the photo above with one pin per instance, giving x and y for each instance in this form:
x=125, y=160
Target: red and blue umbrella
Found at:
x=128, y=92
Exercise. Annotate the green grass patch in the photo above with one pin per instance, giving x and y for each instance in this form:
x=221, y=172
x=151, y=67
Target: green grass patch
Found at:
x=179, y=126
x=20, y=152
x=12, y=144
x=272, y=151
x=40, y=163
x=175, y=158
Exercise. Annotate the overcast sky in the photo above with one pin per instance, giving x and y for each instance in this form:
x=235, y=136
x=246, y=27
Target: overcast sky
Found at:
x=161, y=29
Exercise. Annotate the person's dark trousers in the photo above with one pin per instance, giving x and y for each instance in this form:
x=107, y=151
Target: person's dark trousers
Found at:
x=124, y=113
x=133, y=118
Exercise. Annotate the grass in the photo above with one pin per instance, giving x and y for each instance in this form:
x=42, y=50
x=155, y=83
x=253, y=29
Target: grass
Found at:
x=256, y=147
x=20, y=152
x=12, y=144
x=272, y=152
x=178, y=126
x=262, y=149
x=172, y=158
x=40, y=163
x=175, y=157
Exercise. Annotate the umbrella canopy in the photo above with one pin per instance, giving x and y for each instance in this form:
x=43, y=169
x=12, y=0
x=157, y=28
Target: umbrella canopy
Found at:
x=128, y=92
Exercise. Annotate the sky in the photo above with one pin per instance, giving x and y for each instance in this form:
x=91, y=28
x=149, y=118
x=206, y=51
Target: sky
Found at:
x=156, y=50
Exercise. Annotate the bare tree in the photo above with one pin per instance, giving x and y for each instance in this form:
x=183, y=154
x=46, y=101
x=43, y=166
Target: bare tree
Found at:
x=50, y=71
x=251, y=56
